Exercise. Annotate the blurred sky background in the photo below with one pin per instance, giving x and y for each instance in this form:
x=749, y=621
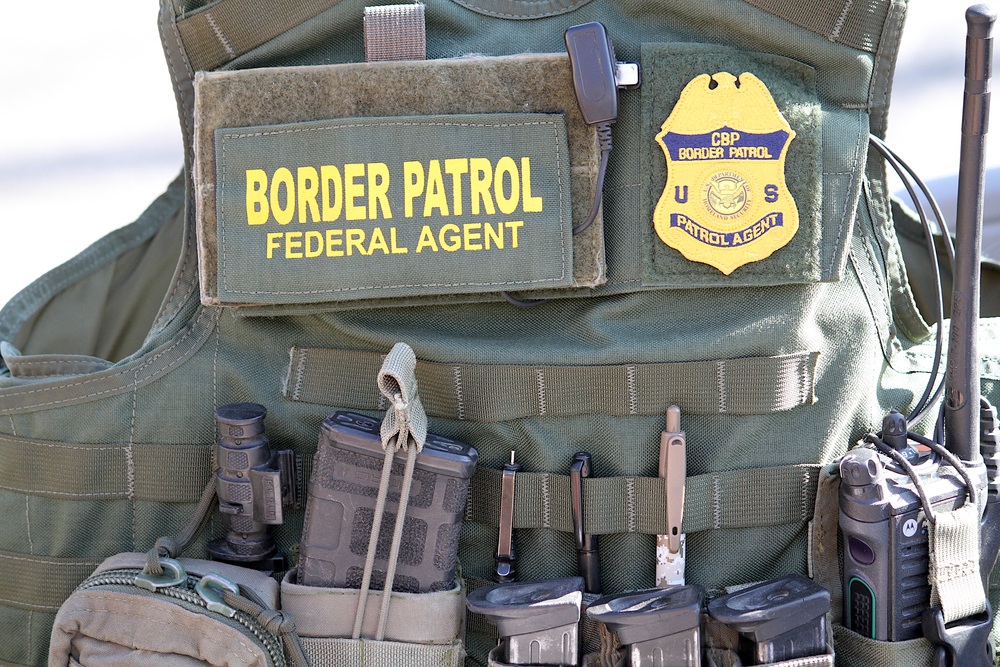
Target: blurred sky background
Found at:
x=92, y=133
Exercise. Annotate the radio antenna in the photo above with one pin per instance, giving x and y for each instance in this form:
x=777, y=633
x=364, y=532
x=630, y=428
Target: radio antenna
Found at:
x=962, y=389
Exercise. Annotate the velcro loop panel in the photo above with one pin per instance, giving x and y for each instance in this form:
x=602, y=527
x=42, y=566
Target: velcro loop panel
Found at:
x=230, y=28
x=494, y=393
x=721, y=500
x=395, y=32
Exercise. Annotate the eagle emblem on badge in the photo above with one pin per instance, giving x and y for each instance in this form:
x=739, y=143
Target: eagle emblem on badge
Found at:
x=725, y=202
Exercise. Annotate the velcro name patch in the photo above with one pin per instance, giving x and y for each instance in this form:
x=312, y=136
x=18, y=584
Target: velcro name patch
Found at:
x=366, y=208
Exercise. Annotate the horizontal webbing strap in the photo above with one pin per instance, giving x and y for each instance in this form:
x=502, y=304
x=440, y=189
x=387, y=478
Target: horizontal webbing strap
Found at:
x=159, y=473
x=230, y=28
x=40, y=584
x=734, y=499
x=493, y=393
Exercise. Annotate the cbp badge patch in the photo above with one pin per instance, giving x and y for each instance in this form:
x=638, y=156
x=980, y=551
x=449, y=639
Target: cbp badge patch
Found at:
x=725, y=202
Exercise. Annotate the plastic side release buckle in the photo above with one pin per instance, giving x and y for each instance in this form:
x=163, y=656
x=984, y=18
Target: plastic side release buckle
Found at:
x=966, y=643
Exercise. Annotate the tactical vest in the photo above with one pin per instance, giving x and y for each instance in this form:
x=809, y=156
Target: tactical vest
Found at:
x=115, y=362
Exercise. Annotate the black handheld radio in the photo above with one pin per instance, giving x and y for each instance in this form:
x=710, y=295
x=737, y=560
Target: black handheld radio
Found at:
x=890, y=495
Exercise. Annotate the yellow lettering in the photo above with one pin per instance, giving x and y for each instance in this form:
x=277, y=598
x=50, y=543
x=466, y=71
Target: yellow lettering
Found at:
x=456, y=168
x=257, y=209
x=377, y=242
x=332, y=240
x=435, y=197
x=352, y=191
x=529, y=204
x=496, y=237
x=272, y=243
x=355, y=237
x=289, y=244
x=450, y=243
x=413, y=185
x=282, y=177
x=330, y=174
x=426, y=239
x=308, y=181
x=468, y=236
x=378, y=185
x=392, y=241
x=480, y=180
x=310, y=237
x=505, y=165
x=513, y=227
x=716, y=139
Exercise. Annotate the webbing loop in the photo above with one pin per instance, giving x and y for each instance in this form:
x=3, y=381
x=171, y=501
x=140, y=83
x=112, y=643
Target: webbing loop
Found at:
x=721, y=500
x=493, y=392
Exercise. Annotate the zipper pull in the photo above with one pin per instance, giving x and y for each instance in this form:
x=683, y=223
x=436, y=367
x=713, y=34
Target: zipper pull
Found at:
x=173, y=575
x=210, y=589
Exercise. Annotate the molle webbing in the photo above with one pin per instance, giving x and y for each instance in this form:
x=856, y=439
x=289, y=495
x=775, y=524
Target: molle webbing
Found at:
x=611, y=505
x=230, y=28
x=492, y=393
x=638, y=504
x=36, y=583
x=145, y=472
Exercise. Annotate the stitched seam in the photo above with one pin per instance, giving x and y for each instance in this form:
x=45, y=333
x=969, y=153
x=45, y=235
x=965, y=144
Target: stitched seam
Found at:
x=835, y=35
x=42, y=561
x=546, y=505
x=720, y=377
x=215, y=367
x=110, y=495
x=633, y=399
x=716, y=502
x=540, y=375
x=562, y=245
x=12, y=428
x=27, y=521
x=300, y=371
x=218, y=34
x=129, y=461
x=805, y=495
x=630, y=503
x=458, y=393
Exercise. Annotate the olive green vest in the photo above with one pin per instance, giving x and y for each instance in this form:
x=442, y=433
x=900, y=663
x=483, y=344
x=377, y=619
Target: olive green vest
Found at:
x=115, y=362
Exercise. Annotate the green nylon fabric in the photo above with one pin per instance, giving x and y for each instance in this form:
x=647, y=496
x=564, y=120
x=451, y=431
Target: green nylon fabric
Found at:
x=162, y=394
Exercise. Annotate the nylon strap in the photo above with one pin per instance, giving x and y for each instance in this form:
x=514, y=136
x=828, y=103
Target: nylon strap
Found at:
x=956, y=584
x=161, y=473
x=230, y=28
x=36, y=583
x=370, y=653
x=638, y=504
x=395, y=32
x=493, y=393
x=854, y=23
